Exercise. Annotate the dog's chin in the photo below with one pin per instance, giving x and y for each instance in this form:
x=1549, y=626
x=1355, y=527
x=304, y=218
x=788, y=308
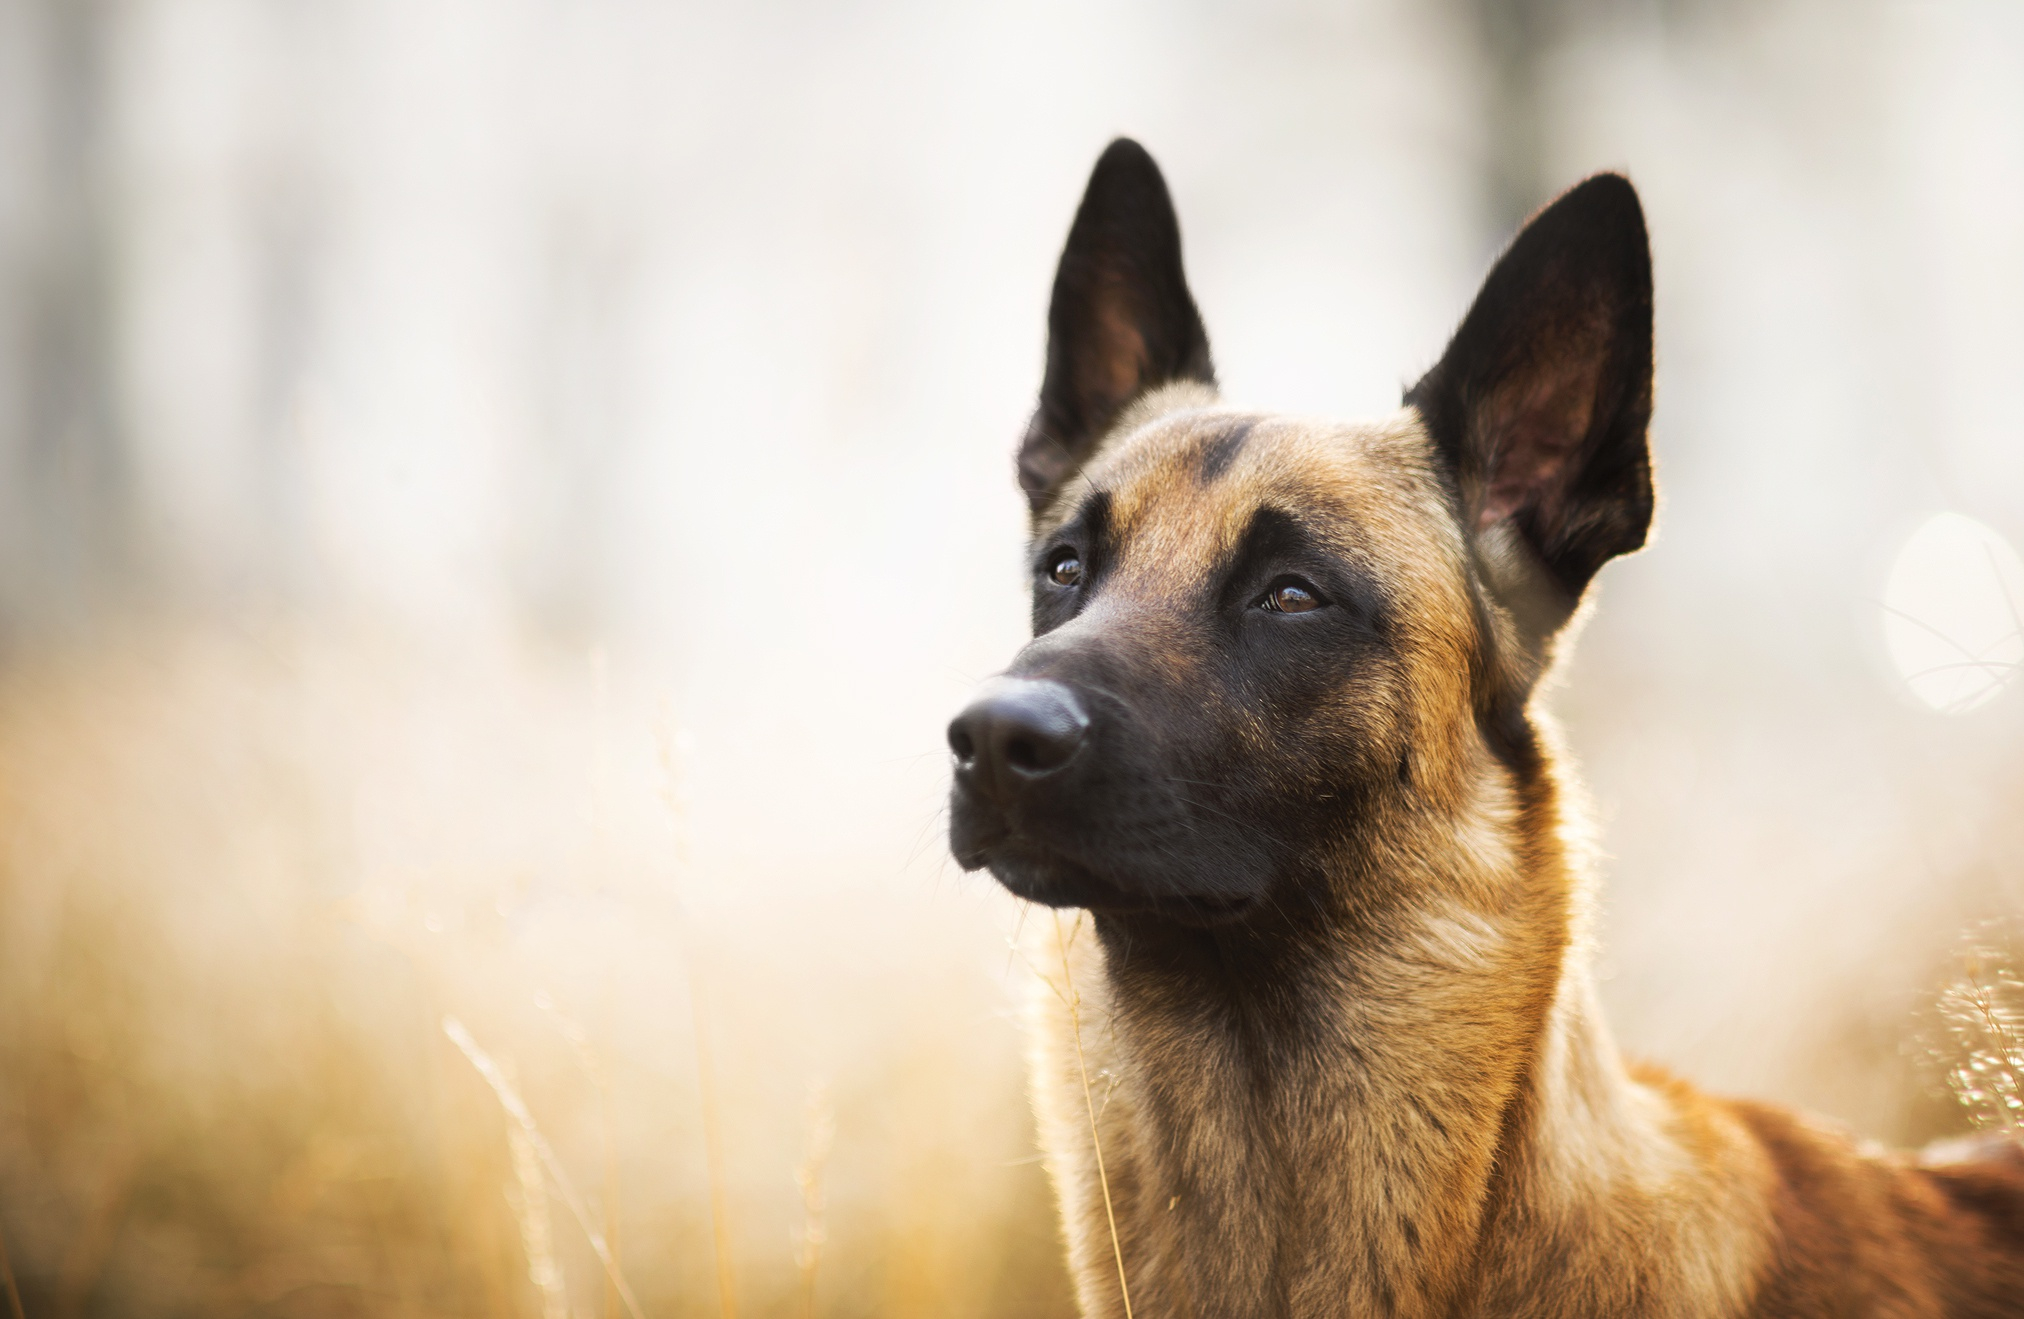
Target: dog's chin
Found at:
x=1054, y=881
x=1038, y=868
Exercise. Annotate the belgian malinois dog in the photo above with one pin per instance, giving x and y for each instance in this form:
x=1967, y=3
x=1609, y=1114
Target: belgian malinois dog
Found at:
x=1276, y=733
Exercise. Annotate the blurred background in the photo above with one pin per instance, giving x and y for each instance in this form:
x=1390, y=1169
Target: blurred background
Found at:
x=498, y=500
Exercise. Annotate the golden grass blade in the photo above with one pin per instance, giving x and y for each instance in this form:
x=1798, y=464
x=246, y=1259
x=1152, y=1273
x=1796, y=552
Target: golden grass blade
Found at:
x=1074, y=1001
x=529, y=1194
x=14, y=1309
x=815, y=1159
x=592, y=1064
x=674, y=797
x=713, y=1141
x=509, y=1099
x=600, y=828
x=612, y=1300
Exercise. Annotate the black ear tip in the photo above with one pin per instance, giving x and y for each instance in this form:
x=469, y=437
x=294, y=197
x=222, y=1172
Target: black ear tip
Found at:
x=1127, y=201
x=1615, y=190
x=1125, y=164
x=1608, y=183
x=1123, y=150
x=1606, y=199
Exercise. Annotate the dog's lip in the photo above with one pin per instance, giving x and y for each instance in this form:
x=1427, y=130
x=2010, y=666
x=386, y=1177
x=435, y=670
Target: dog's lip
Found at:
x=976, y=829
x=1106, y=899
x=976, y=853
x=1031, y=866
x=1041, y=874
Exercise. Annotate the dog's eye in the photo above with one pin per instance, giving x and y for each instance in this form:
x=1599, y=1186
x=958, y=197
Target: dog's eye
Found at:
x=1290, y=595
x=1066, y=570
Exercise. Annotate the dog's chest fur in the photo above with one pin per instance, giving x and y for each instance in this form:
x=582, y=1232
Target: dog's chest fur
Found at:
x=1368, y=1142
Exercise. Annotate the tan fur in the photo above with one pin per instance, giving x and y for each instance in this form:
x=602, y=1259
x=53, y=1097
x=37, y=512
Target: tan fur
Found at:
x=1459, y=1136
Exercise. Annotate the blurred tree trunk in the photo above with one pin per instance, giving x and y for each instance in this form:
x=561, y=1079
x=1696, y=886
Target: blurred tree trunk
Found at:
x=1515, y=38
x=63, y=479
x=1516, y=41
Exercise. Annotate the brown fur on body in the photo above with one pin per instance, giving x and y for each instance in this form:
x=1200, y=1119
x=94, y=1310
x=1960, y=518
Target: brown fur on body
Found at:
x=1402, y=1099
x=1369, y=1076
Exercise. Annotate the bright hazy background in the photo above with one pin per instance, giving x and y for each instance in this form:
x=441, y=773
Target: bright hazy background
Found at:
x=498, y=499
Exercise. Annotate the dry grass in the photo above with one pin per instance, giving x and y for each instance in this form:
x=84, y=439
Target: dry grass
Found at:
x=526, y=1140
x=713, y=1144
x=247, y=879
x=14, y=1310
x=1984, y=1012
x=808, y=1254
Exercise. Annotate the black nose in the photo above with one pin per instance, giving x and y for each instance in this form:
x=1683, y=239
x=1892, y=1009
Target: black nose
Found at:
x=1016, y=732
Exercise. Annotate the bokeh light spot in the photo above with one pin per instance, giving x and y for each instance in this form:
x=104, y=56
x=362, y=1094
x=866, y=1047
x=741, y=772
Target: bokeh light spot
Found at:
x=1951, y=613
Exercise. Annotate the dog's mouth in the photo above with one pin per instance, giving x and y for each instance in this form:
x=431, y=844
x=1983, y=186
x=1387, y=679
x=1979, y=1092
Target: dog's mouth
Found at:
x=1031, y=870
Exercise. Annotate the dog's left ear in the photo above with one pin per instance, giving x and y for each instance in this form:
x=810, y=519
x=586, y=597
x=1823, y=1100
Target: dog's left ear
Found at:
x=1541, y=402
x=1121, y=320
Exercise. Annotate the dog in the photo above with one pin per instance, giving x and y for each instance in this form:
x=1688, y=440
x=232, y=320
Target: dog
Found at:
x=1326, y=1041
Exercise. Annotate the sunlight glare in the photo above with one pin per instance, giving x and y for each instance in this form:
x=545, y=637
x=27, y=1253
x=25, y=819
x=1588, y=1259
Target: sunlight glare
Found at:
x=1951, y=613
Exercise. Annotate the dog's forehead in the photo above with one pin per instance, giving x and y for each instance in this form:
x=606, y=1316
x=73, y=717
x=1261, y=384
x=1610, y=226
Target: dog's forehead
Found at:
x=1180, y=491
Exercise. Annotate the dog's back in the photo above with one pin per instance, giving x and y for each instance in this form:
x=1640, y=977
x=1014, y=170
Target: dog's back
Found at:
x=1864, y=1231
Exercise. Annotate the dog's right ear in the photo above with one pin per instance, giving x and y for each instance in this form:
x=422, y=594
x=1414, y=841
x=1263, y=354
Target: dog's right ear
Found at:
x=1121, y=321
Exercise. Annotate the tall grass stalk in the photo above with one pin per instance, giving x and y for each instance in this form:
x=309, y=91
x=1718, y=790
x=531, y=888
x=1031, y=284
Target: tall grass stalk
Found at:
x=814, y=1162
x=14, y=1309
x=516, y=1109
x=592, y=1065
x=537, y=1237
x=673, y=798
x=600, y=822
x=613, y=1302
x=713, y=1142
x=1074, y=1001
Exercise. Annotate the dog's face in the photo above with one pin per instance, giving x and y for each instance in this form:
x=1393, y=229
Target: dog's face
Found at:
x=1230, y=622
x=1257, y=637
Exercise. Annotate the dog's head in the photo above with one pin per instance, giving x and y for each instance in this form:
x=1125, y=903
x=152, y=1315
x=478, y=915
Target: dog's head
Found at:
x=1257, y=638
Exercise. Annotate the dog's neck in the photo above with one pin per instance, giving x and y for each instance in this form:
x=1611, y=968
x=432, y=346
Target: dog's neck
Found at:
x=1334, y=1111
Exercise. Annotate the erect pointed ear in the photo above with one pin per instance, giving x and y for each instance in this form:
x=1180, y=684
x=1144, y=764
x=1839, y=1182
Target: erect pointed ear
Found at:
x=1121, y=321
x=1541, y=402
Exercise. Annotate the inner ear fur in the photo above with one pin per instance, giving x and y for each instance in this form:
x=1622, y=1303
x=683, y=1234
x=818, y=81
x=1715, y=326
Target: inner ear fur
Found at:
x=1121, y=320
x=1541, y=402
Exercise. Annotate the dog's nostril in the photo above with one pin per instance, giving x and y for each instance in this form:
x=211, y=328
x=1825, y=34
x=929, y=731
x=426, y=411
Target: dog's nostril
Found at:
x=1022, y=754
x=962, y=743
